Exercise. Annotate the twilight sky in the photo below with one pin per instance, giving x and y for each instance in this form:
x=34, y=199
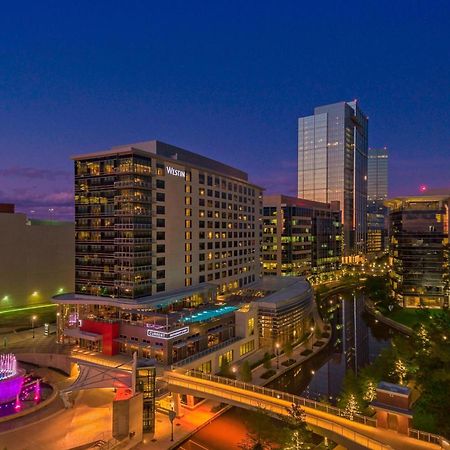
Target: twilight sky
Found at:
x=227, y=79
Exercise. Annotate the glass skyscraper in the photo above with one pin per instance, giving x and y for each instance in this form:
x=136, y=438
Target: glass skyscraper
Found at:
x=332, y=166
x=377, y=192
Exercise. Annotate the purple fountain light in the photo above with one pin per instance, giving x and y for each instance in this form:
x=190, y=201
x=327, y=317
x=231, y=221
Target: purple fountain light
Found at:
x=11, y=378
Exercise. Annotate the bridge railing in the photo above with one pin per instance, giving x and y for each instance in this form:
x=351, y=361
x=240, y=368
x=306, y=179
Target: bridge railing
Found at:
x=428, y=437
x=282, y=396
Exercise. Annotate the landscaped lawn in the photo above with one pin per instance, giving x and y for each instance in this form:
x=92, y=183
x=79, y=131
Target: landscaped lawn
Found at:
x=411, y=316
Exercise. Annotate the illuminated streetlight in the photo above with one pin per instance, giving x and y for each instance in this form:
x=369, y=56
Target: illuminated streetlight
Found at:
x=33, y=318
x=35, y=293
x=277, y=345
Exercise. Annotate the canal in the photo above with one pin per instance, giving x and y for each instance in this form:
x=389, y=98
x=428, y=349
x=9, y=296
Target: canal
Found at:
x=357, y=340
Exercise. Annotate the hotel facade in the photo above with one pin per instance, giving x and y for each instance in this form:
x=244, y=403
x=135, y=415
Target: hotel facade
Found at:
x=161, y=232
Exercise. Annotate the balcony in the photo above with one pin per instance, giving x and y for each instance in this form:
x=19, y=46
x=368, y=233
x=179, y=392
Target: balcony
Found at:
x=132, y=226
x=132, y=255
x=130, y=184
x=132, y=241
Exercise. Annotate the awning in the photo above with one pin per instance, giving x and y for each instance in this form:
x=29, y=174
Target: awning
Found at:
x=79, y=334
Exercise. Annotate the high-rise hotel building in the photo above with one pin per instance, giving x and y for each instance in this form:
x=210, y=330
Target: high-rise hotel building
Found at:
x=377, y=192
x=151, y=218
x=159, y=232
x=332, y=166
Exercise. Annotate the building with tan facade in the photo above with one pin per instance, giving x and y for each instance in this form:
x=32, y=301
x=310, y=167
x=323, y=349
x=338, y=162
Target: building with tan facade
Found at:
x=160, y=233
x=36, y=259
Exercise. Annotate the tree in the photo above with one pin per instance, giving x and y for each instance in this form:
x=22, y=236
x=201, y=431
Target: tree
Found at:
x=246, y=372
x=288, y=349
x=224, y=367
x=267, y=361
x=351, y=408
x=370, y=391
x=296, y=419
x=400, y=371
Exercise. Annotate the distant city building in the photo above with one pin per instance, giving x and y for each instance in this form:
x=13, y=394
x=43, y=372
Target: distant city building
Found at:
x=377, y=192
x=332, y=166
x=36, y=258
x=167, y=257
x=419, y=251
x=300, y=237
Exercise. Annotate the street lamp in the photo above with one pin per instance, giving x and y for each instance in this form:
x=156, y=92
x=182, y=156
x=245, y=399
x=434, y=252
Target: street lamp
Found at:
x=312, y=331
x=277, y=345
x=172, y=415
x=33, y=318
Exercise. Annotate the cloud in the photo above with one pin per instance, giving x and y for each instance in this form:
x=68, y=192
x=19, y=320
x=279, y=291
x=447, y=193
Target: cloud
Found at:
x=33, y=173
x=26, y=197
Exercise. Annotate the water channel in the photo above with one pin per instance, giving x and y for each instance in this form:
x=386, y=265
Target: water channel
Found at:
x=357, y=340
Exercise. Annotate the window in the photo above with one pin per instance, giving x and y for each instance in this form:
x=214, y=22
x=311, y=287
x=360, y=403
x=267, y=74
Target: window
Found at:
x=160, y=197
x=246, y=348
x=228, y=356
x=160, y=209
x=160, y=184
x=160, y=287
x=205, y=367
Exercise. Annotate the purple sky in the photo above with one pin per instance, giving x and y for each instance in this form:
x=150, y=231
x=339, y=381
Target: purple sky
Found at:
x=227, y=79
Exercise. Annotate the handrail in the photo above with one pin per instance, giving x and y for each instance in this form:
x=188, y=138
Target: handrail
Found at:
x=427, y=437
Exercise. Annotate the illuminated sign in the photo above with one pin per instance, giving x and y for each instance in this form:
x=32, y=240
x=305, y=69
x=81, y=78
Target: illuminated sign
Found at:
x=175, y=172
x=169, y=335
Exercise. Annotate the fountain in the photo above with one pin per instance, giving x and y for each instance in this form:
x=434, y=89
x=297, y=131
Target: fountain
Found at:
x=11, y=378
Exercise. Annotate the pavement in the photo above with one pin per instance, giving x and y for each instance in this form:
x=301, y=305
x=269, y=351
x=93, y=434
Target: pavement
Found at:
x=89, y=420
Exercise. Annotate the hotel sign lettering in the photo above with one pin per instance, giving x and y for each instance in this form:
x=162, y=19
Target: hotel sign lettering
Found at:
x=167, y=335
x=175, y=172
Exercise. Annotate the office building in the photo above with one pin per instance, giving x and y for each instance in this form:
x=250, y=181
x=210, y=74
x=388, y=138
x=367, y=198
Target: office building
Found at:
x=418, y=250
x=377, y=192
x=36, y=259
x=300, y=237
x=332, y=166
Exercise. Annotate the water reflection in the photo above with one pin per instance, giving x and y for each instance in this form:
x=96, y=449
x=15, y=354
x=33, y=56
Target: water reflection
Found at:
x=357, y=340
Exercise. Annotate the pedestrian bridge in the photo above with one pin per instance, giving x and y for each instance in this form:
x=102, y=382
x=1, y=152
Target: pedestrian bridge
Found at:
x=361, y=431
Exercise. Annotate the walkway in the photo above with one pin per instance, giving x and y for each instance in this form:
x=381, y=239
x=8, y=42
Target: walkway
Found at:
x=361, y=431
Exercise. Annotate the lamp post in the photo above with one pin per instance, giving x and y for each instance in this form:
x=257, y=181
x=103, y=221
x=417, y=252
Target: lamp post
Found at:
x=277, y=345
x=33, y=318
x=312, y=335
x=172, y=415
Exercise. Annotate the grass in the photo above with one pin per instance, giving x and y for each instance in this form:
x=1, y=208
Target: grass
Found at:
x=411, y=316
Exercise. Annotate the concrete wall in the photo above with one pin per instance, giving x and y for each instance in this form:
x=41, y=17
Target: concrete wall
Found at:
x=52, y=360
x=36, y=260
